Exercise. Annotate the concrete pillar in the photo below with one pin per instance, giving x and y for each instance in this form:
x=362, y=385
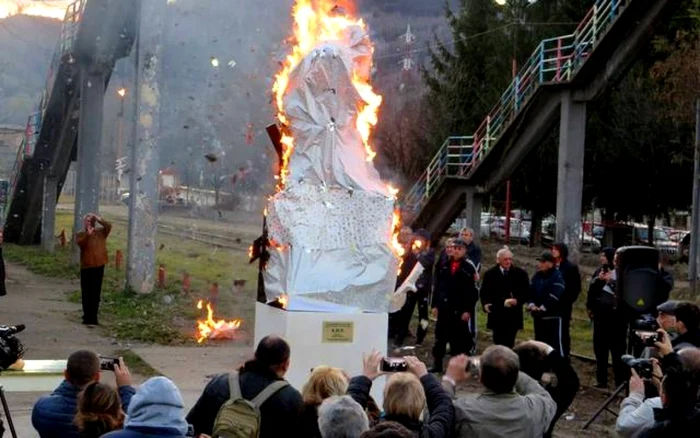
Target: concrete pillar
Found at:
x=473, y=211
x=87, y=190
x=572, y=140
x=48, y=221
x=144, y=156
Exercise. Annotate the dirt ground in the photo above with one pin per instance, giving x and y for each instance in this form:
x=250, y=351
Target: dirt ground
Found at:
x=53, y=332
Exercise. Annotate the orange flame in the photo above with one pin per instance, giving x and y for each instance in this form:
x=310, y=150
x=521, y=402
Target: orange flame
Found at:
x=314, y=22
x=283, y=300
x=250, y=252
x=52, y=9
x=215, y=329
x=417, y=245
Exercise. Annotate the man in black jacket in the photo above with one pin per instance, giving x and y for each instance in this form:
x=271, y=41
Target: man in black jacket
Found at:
x=572, y=281
x=280, y=415
x=504, y=290
x=424, y=255
x=454, y=304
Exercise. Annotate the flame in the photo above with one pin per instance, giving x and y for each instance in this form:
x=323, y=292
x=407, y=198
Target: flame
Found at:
x=213, y=329
x=396, y=246
x=417, y=245
x=283, y=300
x=121, y=92
x=50, y=9
x=316, y=22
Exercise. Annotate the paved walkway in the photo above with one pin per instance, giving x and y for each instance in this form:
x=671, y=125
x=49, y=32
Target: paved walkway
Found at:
x=53, y=332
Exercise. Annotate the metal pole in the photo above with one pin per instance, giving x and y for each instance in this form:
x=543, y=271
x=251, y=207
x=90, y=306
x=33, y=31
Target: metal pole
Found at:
x=514, y=68
x=695, y=215
x=143, y=192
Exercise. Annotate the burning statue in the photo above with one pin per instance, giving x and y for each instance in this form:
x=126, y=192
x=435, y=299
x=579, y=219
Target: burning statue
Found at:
x=332, y=223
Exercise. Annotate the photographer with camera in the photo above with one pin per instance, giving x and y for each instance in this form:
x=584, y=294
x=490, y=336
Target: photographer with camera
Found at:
x=53, y=415
x=514, y=405
x=541, y=362
x=93, y=258
x=406, y=394
x=637, y=414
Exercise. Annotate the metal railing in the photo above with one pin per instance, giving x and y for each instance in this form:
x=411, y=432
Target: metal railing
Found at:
x=62, y=53
x=555, y=60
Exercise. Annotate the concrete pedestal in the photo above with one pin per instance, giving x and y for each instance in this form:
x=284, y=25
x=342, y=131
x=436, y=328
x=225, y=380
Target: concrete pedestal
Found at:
x=318, y=338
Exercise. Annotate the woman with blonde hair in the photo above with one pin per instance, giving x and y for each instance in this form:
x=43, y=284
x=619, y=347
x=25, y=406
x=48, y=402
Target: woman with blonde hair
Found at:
x=99, y=411
x=324, y=382
x=406, y=395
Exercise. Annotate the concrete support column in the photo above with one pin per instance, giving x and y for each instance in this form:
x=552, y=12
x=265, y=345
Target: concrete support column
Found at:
x=572, y=140
x=473, y=211
x=87, y=191
x=144, y=156
x=48, y=221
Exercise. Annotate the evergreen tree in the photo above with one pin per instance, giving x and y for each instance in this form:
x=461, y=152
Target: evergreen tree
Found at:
x=467, y=77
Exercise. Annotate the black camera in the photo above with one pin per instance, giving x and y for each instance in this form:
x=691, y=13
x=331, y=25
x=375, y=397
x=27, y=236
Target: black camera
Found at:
x=646, y=323
x=643, y=367
x=394, y=365
x=107, y=363
x=11, y=348
x=650, y=341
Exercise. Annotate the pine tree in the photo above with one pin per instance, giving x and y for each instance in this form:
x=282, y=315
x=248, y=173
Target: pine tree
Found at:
x=468, y=75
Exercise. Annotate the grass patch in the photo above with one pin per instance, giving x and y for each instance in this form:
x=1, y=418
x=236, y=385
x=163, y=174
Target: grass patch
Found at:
x=136, y=364
x=165, y=316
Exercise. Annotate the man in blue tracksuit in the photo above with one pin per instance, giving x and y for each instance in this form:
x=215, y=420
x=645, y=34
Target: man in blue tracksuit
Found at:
x=544, y=305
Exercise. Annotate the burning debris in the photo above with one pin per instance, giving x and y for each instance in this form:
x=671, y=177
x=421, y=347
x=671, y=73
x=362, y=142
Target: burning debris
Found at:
x=215, y=329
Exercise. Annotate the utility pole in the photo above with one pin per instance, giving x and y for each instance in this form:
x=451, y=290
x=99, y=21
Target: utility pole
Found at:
x=407, y=62
x=144, y=162
x=695, y=215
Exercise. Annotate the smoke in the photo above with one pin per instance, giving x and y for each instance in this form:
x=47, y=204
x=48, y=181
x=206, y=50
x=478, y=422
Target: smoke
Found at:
x=47, y=8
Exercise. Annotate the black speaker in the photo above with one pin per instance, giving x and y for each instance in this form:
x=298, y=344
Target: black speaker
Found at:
x=638, y=278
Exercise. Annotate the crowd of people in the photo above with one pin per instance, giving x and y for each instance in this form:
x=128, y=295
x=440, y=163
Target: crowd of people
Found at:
x=526, y=387
x=451, y=286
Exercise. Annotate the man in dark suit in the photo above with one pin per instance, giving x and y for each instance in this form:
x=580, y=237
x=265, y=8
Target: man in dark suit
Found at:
x=504, y=290
x=454, y=301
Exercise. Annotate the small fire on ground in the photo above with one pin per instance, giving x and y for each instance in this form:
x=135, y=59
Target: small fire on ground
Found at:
x=215, y=329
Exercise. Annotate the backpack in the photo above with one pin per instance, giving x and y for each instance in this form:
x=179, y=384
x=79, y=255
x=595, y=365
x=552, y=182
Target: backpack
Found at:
x=238, y=417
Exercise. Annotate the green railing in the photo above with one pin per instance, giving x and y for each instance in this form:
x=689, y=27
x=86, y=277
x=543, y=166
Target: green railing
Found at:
x=555, y=60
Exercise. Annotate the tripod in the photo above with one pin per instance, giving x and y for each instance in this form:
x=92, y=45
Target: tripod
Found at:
x=619, y=389
x=6, y=408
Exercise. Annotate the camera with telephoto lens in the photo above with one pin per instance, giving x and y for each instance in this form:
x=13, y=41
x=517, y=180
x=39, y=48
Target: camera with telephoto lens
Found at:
x=394, y=365
x=643, y=367
x=646, y=323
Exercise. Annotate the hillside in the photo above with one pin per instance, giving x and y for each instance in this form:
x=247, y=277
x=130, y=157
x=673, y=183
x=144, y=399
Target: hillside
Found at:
x=26, y=47
x=223, y=109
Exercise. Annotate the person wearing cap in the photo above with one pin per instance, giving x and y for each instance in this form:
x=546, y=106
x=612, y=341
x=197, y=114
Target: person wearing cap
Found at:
x=665, y=316
x=609, y=321
x=454, y=302
x=572, y=283
x=424, y=255
x=546, y=290
x=687, y=325
x=504, y=291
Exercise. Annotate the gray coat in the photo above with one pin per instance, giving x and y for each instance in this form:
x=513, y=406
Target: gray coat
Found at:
x=525, y=412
